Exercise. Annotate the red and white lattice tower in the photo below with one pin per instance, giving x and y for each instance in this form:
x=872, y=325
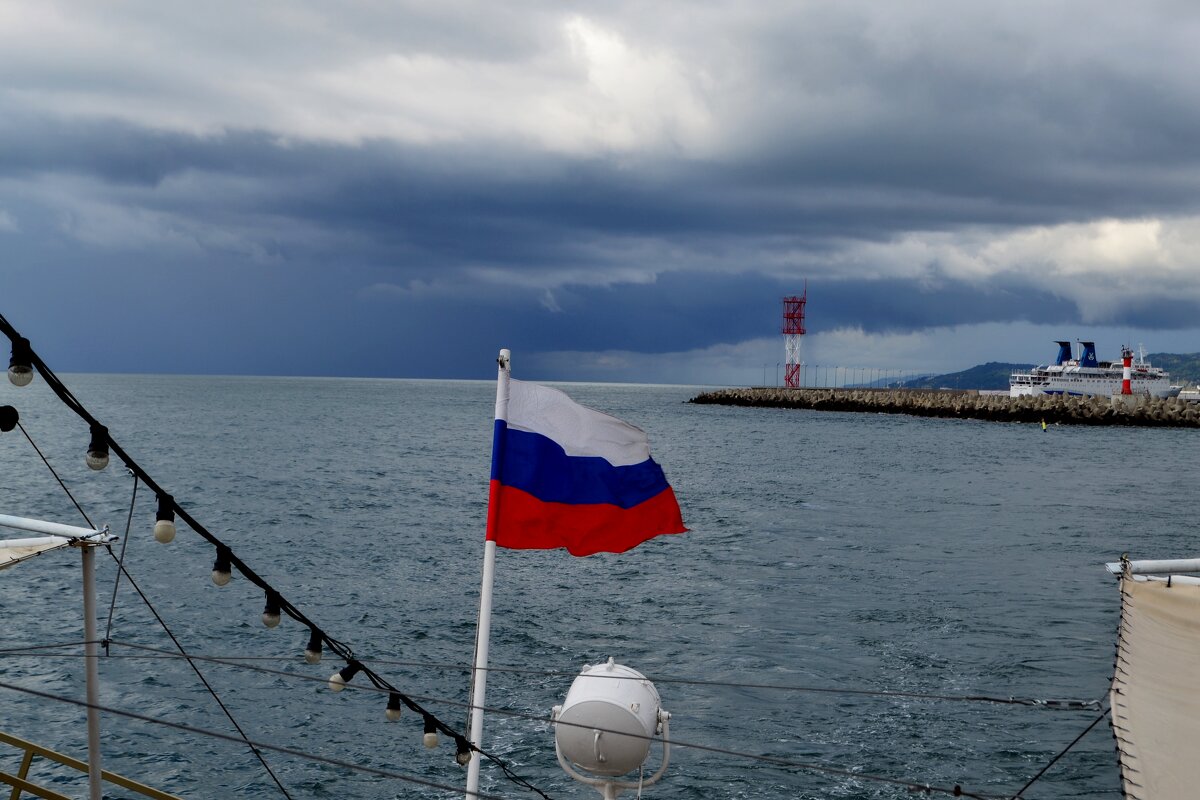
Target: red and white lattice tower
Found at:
x=793, y=329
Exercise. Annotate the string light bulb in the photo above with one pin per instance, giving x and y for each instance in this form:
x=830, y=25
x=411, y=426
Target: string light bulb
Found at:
x=164, y=520
x=20, y=366
x=222, y=567
x=97, y=452
x=312, y=652
x=339, y=679
x=392, y=712
x=8, y=418
x=463, y=754
x=270, y=615
x=430, y=738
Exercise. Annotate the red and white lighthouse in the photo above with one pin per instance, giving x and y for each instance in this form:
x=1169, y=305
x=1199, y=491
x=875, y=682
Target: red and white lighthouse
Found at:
x=1126, y=370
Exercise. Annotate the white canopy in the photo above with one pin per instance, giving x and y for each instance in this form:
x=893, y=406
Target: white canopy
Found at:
x=1155, y=691
x=14, y=551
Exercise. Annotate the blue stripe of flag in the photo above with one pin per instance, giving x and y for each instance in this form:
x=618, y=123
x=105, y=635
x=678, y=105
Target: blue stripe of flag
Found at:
x=538, y=465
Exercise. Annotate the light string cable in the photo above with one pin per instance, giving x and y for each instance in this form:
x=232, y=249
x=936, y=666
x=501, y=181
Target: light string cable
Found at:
x=240, y=663
x=1049, y=704
x=120, y=561
x=956, y=791
x=192, y=663
x=1057, y=704
x=53, y=472
x=37, y=649
x=1052, y=704
x=226, y=556
x=291, y=751
x=112, y=605
x=1061, y=753
x=377, y=681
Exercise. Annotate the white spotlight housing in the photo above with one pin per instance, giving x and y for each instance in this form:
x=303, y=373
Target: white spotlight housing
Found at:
x=606, y=724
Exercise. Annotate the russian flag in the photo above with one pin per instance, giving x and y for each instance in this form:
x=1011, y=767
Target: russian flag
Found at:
x=564, y=475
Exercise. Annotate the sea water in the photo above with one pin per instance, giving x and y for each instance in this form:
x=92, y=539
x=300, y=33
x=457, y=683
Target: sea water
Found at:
x=827, y=550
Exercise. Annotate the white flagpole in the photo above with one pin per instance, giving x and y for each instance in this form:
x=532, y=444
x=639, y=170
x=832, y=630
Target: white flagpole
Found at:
x=484, y=629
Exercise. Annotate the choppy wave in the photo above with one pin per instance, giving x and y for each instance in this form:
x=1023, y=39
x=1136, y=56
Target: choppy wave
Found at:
x=826, y=549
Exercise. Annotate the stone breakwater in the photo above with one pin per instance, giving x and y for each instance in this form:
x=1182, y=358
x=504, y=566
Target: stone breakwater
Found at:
x=1141, y=411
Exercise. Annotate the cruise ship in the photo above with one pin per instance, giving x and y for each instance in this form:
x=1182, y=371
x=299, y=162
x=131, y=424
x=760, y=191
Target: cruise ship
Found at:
x=1089, y=377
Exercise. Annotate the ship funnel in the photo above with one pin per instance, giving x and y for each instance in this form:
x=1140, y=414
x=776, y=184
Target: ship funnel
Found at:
x=1088, y=358
x=1064, y=352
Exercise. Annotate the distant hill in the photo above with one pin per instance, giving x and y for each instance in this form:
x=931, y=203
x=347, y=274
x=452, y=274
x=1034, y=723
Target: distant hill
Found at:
x=1184, y=369
x=992, y=375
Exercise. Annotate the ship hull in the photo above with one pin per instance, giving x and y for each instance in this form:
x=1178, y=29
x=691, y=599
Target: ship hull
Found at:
x=1080, y=383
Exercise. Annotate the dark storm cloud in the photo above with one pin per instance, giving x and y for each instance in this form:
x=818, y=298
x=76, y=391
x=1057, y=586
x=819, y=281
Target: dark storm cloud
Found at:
x=425, y=214
x=697, y=311
x=922, y=168
x=859, y=183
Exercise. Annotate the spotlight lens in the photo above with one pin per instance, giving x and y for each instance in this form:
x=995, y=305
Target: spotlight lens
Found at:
x=164, y=531
x=20, y=374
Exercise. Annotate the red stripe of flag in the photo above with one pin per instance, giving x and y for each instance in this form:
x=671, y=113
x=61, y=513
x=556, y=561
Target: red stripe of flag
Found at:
x=519, y=521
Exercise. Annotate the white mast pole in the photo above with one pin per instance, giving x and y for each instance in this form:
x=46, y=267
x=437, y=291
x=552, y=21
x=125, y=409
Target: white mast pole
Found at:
x=484, y=629
x=92, y=670
x=85, y=539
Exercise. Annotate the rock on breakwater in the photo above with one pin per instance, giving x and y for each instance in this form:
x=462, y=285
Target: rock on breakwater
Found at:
x=1140, y=411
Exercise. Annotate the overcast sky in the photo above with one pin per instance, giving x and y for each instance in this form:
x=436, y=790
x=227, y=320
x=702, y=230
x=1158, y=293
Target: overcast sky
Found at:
x=618, y=191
